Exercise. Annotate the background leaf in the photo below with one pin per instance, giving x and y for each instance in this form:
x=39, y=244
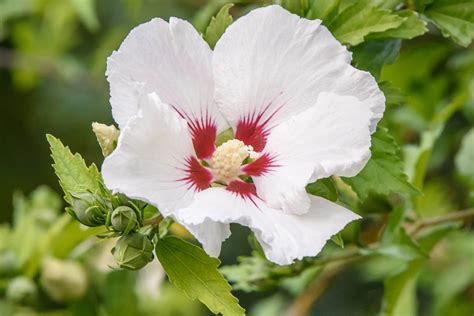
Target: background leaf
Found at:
x=455, y=18
x=373, y=55
x=411, y=27
x=324, y=188
x=360, y=19
x=218, y=25
x=383, y=173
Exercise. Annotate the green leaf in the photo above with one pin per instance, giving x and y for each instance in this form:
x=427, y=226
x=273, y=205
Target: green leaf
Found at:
x=196, y=274
x=455, y=19
x=395, y=241
x=218, y=25
x=299, y=7
x=324, y=188
x=251, y=274
x=465, y=157
x=337, y=239
x=436, y=200
x=73, y=174
x=373, y=55
x=393, y=95
x=411, y=27
x=387, y=4
x=323, y=9
x=85, y=9
x=357, y=21
x=400, y=289
x=298, y=283
x=383, y=174
x=119, y=294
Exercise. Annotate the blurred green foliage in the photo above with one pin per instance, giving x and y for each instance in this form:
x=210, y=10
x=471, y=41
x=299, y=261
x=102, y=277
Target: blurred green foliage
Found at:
x=52, y=63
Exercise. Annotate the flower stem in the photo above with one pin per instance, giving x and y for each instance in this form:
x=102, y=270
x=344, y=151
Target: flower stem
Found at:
x=154, y=221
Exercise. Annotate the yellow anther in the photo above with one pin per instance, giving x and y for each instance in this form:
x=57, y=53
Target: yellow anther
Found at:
x=227, y=159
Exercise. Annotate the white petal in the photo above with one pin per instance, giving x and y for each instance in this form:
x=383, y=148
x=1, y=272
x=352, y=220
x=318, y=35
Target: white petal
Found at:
x=210, y=234
x=150, y=161
x=170, y=59
x=330, y=138
x=284, y=237
x=270, y=65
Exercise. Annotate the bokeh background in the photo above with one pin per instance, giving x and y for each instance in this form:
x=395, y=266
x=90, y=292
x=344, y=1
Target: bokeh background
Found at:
x=52, y=64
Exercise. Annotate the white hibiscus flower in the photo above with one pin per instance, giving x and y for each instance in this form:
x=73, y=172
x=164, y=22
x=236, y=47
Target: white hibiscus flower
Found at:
x=299, y=112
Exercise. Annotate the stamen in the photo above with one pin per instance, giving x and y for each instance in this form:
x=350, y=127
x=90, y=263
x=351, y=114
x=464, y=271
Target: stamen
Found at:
x=227, y=159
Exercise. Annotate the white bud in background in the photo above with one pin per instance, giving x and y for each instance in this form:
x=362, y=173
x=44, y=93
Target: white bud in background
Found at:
x=64, y=281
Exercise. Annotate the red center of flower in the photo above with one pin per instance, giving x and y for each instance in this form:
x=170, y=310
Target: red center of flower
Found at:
x=232, y=164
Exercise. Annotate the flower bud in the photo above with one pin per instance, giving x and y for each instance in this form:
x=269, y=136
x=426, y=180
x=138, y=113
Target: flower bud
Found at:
x=133, y=251
x=107, y=137
x=8, y=263
x=124, y=219
x=87, y=208
x=64, y=281
x=22, y=291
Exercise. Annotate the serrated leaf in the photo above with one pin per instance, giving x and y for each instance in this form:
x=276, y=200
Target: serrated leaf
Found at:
x=373, y=55
x=383, y=174
x=455, y=19
x=411, y=27
x=218, y=25
x=324, y=188
x=393, y=95
x=251, y=274
x=73, y=174
x=196, y=274
x=357, y=21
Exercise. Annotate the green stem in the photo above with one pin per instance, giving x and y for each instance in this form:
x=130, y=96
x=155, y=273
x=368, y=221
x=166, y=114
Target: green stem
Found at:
x=154, y=221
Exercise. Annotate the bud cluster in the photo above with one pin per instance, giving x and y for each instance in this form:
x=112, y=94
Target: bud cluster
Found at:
x=122, y=218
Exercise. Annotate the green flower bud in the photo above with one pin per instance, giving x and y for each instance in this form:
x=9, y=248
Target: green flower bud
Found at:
x=133, y=251
x=22, y=291
x=124, y=219
x=63, y=281
x=89, y=209
x=8, y=263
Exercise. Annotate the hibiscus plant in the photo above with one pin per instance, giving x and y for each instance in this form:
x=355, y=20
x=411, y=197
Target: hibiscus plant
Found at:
x=274, y=121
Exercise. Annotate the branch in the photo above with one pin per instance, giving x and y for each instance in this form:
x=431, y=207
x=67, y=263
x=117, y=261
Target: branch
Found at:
x=302, y=304
x=463, y=215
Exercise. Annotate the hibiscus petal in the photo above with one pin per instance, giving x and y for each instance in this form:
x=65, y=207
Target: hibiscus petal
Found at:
x=270, y=65
x=174, y=61
x=210, y=234
x=284, y=237
x=150, y=164
x=330, y=138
